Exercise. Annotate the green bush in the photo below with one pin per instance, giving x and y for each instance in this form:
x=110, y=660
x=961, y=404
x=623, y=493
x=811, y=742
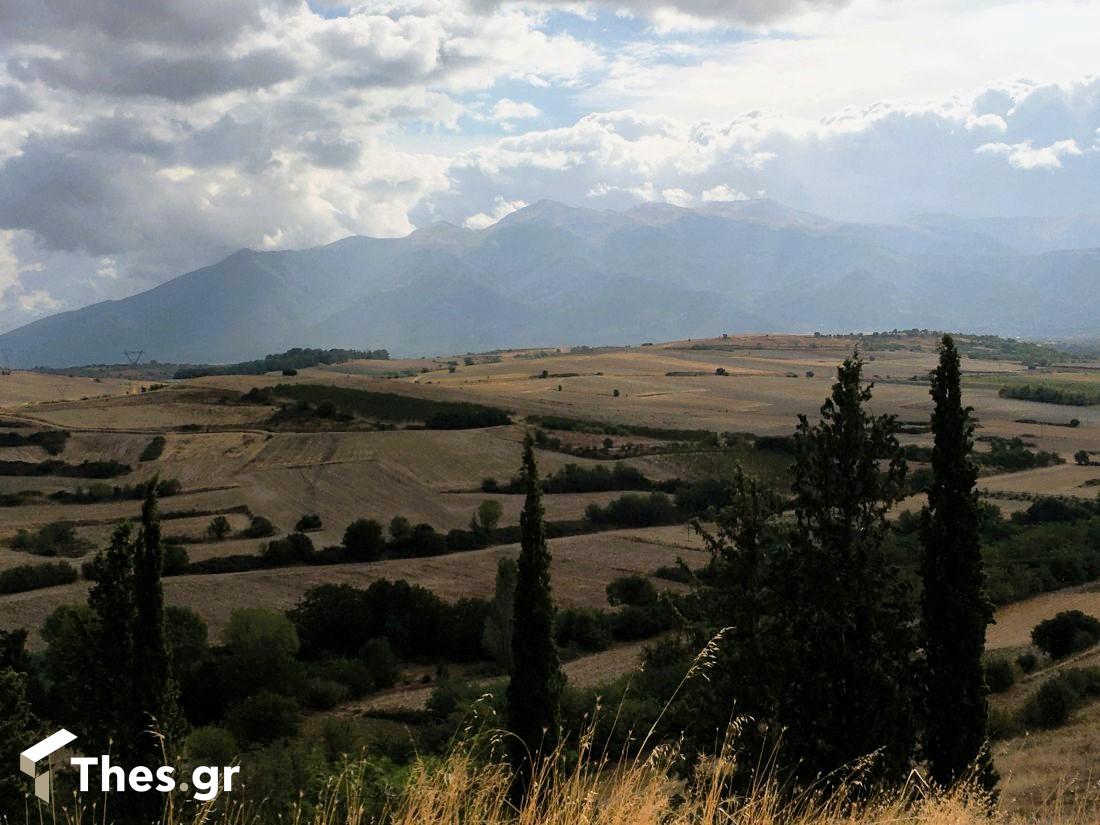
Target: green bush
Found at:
x=999, y=675
x=633, y=590
x=36, y=576
x=363, y=540
x=1027, y=661
x=263, y=718
x=154, y=449
x=219, y=528
x=1002, y=724
x=175, y=560
x=58, y=538
x=259, y=528
x=582, y=628
x=633, y=510
x=309, y=521
x=1051, y=705
x=633, y=622
x=353, y=674
x=297, y=548
x=325, y=694
x=381, y=662
x=211, y=745
x=1068, y=632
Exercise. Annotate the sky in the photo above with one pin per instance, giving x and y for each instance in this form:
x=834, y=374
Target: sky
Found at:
x=141, y=140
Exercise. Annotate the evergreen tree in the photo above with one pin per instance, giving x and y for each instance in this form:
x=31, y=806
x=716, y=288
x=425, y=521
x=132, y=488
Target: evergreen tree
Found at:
x=534, y=691
x=737, y=598
x=153, y=693
x=954, y=609
x=850, y=696
x=131, y=688
x=496, y=639
x=118, y=725
x=18, y=728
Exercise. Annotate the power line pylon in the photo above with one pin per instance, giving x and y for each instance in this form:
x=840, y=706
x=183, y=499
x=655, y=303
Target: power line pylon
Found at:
x=133, y=356
x=5, y=355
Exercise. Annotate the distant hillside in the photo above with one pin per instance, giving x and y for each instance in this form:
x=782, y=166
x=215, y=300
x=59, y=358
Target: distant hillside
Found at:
x=549, y=274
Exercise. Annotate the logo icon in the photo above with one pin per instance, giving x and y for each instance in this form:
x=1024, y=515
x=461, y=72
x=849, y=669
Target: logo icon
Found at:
x=29, y=759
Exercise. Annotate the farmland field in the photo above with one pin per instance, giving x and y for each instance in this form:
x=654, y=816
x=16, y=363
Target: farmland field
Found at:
x=265, y=445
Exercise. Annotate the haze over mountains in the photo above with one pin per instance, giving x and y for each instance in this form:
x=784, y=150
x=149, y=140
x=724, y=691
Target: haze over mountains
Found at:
x=553, y=274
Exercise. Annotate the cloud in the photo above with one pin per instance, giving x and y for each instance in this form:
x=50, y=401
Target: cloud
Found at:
x=501, y=209
x=1027, y=156
x=875, y=163
x=139, y=140
x=688, y=14
x=507, y=109
x=721, y=192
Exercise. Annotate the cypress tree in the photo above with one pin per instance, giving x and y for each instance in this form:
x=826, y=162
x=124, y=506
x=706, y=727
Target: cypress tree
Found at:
x=850, y=695
x=954, y=608
x=534, y=691
x=18, y=727
x=117, y=725
x=152, y=691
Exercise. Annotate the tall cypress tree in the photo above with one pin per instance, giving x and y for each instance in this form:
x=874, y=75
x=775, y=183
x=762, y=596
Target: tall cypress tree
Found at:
x=851, y=694
x=955, y=610
x=534, y=691
x=152, y=691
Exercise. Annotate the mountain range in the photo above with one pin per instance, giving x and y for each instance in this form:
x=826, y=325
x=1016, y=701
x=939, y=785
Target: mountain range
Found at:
x=554, y=274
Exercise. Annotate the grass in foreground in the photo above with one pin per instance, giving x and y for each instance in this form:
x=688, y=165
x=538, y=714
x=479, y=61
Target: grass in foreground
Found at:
x=467, y=788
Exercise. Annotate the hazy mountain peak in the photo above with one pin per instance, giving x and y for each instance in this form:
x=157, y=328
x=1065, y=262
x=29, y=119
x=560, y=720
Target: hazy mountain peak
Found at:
x=551, y=273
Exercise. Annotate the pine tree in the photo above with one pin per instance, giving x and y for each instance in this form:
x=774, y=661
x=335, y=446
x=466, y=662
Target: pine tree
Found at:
x=534, y=691
x=851, y=693
x=955, y=611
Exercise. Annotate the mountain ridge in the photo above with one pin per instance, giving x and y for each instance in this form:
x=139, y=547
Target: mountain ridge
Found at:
x=551, y=274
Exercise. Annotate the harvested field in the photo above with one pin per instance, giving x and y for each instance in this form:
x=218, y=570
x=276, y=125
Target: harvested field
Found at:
x=583, y=566
x=1015, y=621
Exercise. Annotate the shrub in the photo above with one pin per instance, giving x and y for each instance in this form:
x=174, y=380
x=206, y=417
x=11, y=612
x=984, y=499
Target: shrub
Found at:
x=1002, y=724
x=490, y=485
x=632, y=623
x=154, y=449
x=632, y=510
x=486, y=517
x=363, y=540
x=999, y=675
x=175, y=560
x=1027, y=661
x=263, y=718
x=353, y=674
x=58, y=538
x=309, y=521
x=381, y=663
x=297, y=548
x=259, y=528
x=218, y=528
x=1051, y=705
x=583, y=628
x=36, y=576
x=325, y=694
x=633, y=590
x=211, y=745
x=1068, y=632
